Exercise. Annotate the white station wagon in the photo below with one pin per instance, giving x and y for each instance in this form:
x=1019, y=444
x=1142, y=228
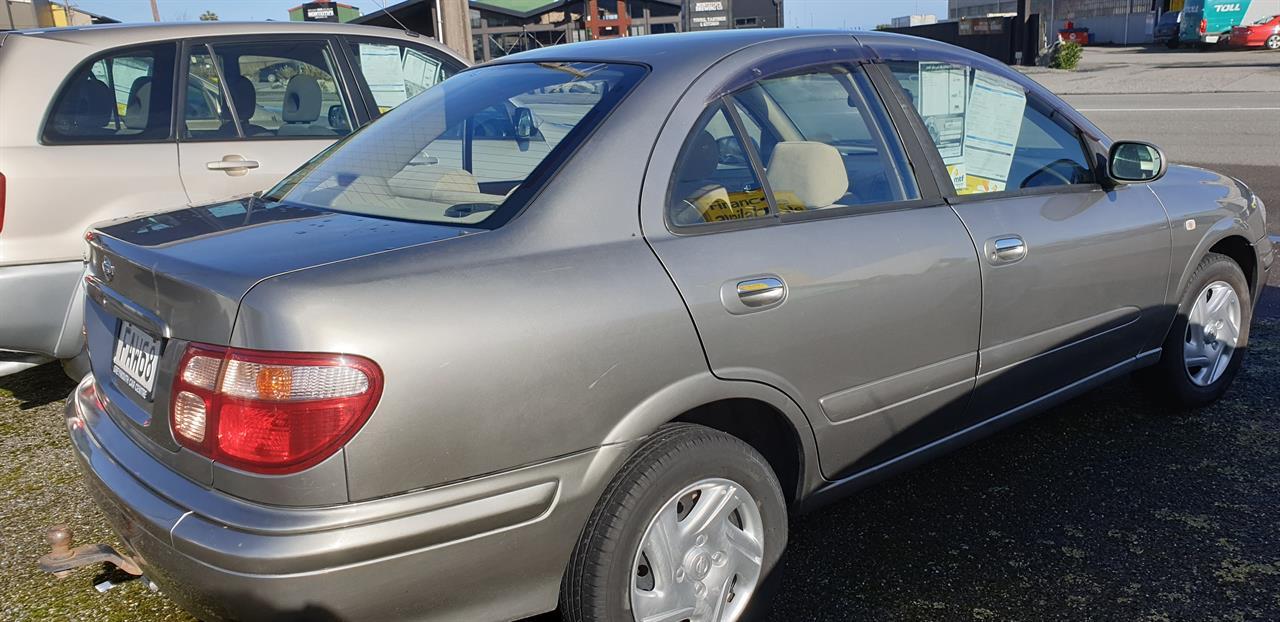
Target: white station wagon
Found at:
x=102, y=122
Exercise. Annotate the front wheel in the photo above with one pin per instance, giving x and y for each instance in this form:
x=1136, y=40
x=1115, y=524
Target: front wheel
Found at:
x=1206, y=345
x=690, y=529
x=1273, y=42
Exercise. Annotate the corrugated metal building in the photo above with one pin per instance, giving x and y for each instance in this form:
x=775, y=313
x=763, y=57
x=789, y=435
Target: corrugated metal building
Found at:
x=1111, y=21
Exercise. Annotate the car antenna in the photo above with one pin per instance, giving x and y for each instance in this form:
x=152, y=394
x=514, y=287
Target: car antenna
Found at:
x=407, y=31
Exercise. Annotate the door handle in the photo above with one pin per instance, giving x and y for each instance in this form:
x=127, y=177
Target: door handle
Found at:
x=233, y=165
x=1006, y=249
x=761, y=292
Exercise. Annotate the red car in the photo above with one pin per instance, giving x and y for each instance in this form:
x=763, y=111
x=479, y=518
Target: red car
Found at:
x=1262, y=33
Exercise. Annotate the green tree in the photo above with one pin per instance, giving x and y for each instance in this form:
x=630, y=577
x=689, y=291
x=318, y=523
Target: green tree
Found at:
x=208, y=16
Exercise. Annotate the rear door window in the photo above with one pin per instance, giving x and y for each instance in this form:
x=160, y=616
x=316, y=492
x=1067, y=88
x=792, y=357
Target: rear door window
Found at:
x=124, y=96
x=814, y=137
x=277, y=89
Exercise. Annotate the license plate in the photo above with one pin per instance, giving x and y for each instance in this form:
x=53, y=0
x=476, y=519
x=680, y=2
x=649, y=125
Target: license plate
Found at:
x=136, y=358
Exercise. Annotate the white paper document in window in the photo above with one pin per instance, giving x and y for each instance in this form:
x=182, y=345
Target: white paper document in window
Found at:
x=992, y=126
x=381, y=67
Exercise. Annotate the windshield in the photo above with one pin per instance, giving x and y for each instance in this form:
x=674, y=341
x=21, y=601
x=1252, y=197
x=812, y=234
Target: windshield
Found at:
x=456, y=153
x=1264, y=21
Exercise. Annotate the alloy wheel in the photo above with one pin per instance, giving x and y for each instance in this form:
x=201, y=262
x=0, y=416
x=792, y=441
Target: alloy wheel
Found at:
x=1273, y=42
x=700, y=558
x=1213, y=332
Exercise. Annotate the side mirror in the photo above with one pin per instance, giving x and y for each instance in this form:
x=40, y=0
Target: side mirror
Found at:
x=522, y=118
x=1131, y=162
x=338, y=118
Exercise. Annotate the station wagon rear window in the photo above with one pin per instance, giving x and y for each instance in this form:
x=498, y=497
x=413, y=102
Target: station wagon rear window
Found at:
x=458, y=152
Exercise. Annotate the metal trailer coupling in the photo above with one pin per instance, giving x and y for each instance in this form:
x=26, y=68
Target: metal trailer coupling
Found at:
x=63, y=559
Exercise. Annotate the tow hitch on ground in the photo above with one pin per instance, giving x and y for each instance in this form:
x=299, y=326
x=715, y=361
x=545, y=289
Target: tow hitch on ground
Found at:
x=63, y=558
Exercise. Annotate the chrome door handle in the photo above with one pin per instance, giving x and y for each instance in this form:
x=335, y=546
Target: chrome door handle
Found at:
x=233, y=165
x=761, y=292
x=1006, y=249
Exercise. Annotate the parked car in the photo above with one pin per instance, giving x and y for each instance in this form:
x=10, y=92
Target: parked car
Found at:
x=1167, y=29
x=594, y=357
x=1264, y=33
x=91, y=131
x=1211, y=22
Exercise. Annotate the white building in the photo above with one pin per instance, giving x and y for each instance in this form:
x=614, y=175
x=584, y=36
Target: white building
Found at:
x=914, y=20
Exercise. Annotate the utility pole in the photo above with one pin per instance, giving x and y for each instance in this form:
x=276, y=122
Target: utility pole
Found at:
x=454, y=20
x=155, y=11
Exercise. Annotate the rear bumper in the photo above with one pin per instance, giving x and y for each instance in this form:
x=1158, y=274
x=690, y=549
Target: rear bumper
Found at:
x=41, y=310
x=492, y=548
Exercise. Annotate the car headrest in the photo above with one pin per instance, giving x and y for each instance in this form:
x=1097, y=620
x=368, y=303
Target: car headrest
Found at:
x=700, y=159
x=137, y=113
x=813, y=172
x=243, y=96
x=89, y=106
x=301, y=100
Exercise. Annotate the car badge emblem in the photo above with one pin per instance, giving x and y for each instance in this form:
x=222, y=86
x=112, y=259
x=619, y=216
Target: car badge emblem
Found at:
x=108, y=270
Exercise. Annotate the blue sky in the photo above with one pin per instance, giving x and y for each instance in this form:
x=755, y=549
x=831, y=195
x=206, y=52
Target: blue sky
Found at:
x=799, y=13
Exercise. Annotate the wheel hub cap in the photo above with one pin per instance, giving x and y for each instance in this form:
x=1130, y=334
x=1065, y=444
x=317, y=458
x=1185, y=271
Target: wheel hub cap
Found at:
x=1213, y=332
x=700, y=557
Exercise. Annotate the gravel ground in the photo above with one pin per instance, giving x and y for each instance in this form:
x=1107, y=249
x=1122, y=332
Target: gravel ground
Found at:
x=1107, y=508
x=39, y=486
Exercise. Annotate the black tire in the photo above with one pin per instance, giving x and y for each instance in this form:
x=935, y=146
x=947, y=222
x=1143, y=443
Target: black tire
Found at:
x=1169, y=379
x=1273, y=42
x=1173, y=44
x=597, y=583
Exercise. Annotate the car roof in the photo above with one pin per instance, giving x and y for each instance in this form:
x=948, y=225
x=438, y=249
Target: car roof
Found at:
x=112, y=35
x=664, y=50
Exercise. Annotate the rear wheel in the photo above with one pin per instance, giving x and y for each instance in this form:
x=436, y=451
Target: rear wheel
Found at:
x=691, y=528
x=1173, y=44
x=1206, y=345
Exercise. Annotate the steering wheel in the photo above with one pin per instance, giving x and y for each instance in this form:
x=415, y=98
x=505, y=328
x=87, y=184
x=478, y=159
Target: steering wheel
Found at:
x=490, y=129
x=1049, y=170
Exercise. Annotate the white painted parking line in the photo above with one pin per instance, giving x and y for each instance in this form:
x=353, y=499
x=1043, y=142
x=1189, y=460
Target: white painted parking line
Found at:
x=1173, y=109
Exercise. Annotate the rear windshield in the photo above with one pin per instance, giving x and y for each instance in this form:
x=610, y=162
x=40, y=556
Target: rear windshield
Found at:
x=459, y=151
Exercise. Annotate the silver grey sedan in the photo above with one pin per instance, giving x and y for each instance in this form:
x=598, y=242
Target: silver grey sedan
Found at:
x=579, y=328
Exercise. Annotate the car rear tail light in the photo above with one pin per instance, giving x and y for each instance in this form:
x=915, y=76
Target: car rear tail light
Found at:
x=2, y=193
x=1204, y=26
x=270, y=412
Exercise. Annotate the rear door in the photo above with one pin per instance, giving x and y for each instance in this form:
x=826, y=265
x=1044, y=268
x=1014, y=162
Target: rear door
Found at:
x=811, y=260
x=1073, y=274
x=256, y=108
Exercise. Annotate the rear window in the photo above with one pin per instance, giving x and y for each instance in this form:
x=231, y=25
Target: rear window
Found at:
x=121, y=97
x=459, y=152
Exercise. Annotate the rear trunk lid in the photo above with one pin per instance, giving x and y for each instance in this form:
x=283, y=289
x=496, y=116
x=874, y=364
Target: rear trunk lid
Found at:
x=165, y=280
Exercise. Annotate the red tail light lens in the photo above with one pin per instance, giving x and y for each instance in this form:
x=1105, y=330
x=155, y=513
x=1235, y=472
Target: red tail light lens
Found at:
x=2, y=193
x=270, y=412
x=1204, y=26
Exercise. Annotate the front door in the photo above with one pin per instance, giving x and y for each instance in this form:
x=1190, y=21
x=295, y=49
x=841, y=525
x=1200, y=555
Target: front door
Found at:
x=809, y=261
x=1073, y=275
x=255, y=110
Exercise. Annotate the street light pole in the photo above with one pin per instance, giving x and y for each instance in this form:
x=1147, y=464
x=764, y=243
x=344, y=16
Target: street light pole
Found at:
x=155, y=11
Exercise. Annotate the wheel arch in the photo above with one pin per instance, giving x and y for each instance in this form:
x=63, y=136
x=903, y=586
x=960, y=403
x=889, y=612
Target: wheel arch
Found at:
x=1225, y=237
x=1240, y=251
x=758, y=414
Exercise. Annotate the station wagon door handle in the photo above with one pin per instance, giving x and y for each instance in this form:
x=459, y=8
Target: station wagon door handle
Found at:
x=233, y=165
x=761, y=292
x=1006, y=249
